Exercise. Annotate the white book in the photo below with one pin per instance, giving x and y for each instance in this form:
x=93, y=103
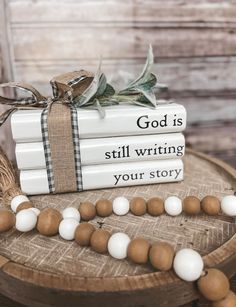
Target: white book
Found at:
x=110, y=175
x=120, y=120
x=109, y=150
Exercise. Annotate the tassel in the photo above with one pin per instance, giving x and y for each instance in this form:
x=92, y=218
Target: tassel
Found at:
x=9, y=187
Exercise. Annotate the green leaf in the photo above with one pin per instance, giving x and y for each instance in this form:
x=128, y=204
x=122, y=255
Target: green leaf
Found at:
x=149, y=84
x=140, y=91
x=144, y=76
x=102, y=83
x=144, y=85
x=146, y=80
x=109, y=91
x=92, y=89
x=97, y=89
x=148, y=97
x=99, y=108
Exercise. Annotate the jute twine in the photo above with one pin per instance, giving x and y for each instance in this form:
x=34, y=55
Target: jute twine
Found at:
x=9, y=186
x=59, y=141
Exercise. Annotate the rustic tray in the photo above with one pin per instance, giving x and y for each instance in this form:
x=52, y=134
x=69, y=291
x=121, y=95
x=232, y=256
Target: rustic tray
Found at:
x=41, y=271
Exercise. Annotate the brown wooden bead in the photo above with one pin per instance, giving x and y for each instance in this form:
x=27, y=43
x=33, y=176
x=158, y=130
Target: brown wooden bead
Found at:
x=48, y=222
x=87, y=211
x=210, y=205
x=155, y=206
x=104, y=207
x=138, y=250
x=228, y=301
x=99, y=240
x=214, y=285
x=191, y=205
x=138, y=206
x=161, y=256
x=83, y=234
x=24, y=205
x=7, y=220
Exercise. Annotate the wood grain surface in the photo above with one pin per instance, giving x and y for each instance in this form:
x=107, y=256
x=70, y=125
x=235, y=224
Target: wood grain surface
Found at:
x=39, y=268
x=194, y=45
x=6, y=302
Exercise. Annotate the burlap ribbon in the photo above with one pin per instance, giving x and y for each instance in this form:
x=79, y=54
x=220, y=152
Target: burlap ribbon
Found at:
x=59, y=126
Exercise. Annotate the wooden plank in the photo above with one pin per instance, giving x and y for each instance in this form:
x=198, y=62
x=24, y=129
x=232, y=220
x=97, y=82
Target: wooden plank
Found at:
x=6, y=72
x=6, y=302
x=3, y=261
x=181, y=75
x=218, y=140
x=204, y=110
x=28, y=11
x=211, y=137
x=73, y=44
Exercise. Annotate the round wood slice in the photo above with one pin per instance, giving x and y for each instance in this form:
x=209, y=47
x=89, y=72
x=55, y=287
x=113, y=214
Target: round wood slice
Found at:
x=41, y=271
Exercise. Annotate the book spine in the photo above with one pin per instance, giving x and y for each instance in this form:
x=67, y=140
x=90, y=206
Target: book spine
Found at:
x=35, y=182
x=119, y=121
x=109, y=150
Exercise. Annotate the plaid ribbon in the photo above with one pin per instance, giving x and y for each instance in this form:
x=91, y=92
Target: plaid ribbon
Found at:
x=77, y=155
x=63, y=87
x=35, y=101
x=47, y=151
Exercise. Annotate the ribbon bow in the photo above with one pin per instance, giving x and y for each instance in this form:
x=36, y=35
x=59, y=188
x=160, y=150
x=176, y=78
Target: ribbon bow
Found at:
x=65, y=88
x=83, y=89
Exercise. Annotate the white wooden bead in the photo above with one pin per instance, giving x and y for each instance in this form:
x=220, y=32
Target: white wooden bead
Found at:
x=67, y=228
x=173, y=205
x=17, y=200
x=188, y=264
x=71, y=212
x=118, y=245
x=26, y=220
x=120, y=205
x=35, y=210
x=228, y=205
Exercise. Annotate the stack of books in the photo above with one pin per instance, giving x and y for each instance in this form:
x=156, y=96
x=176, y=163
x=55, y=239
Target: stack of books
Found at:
x=132, y=145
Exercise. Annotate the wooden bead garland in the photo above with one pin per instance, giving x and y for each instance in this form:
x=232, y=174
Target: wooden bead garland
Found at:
x=118, y=245
x=155, y=206
x=71, y=212
x=138, y=250
x=161, y=256
x=120, y=205
x=24, y=205
x=210, y=205
x=228, y=301
x=26, y=220
x=213, y=285
x=187, y=263
x=173, y=205
x=48, y=222
x=7, y=220
x=17, y=200
x=87, y=211
x=104, y=207
x=228, y=205
x=138, y=206
x=83, y=234
x=99, y=240
x=67, y=228
x=191, y=205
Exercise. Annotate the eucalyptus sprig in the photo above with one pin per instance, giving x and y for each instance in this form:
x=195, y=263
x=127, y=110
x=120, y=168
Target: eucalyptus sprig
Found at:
x=140, y=91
